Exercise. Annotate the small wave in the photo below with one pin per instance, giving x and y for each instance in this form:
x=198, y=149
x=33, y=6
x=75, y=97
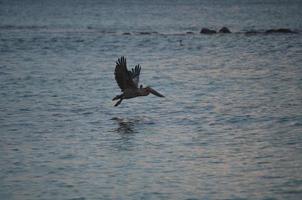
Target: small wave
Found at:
x=21, y=27
x=99, y=30
x=78, y=198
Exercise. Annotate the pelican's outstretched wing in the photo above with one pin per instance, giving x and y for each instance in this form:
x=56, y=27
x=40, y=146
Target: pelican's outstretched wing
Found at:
x=135, y=74
x=123, y=77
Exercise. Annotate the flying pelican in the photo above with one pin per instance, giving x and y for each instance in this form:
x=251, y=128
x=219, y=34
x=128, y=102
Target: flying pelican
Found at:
x=128, y=82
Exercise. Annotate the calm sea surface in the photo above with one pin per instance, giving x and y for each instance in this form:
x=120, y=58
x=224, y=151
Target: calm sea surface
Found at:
x=230, y=126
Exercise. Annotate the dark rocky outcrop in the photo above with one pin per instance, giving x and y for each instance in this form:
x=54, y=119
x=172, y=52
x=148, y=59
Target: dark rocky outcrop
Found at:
x=147, y=33
x=207, y=31
x=270, y=31
x=224, y=30
x=280, y=30
x=144, y=33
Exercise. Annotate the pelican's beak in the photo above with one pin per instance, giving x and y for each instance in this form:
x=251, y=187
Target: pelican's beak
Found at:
x=156, y=93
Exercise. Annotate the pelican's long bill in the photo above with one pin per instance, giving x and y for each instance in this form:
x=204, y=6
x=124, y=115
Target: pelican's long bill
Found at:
x=155, y=92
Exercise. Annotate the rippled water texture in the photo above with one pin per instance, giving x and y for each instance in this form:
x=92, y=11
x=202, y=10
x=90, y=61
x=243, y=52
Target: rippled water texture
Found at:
x=229, y=128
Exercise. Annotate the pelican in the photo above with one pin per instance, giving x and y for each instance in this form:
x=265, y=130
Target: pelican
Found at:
x=128, y=82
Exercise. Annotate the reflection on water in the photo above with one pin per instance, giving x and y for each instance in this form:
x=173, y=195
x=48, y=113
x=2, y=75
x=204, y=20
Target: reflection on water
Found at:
x=125, y=126
x=125, y=129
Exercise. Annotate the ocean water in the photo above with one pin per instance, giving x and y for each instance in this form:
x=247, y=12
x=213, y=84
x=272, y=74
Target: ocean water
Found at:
x=230, y=126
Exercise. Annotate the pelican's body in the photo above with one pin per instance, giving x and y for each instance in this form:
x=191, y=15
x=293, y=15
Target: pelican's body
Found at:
x=128, y=82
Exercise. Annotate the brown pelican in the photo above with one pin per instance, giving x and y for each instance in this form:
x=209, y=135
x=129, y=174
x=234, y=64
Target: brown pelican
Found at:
x=128, y=82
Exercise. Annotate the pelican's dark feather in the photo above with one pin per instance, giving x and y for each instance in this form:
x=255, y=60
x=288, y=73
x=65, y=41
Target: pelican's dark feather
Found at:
x=123, y=77
x=135, y=74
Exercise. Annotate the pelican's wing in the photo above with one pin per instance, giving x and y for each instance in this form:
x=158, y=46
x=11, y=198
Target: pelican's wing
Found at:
x=123, y=77
x=135, y=74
